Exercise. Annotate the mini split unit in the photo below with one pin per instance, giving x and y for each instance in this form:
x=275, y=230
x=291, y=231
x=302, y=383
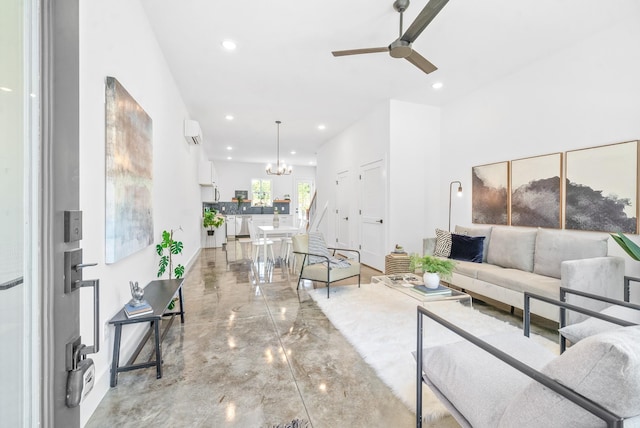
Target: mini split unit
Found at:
x=192, y=132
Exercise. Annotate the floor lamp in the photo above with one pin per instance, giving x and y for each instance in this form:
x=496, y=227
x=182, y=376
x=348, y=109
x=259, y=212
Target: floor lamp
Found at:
x=459, y=195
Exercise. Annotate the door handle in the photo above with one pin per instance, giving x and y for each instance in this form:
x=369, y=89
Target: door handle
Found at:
x=379, y=221
x=95, y=348
x=345, y=218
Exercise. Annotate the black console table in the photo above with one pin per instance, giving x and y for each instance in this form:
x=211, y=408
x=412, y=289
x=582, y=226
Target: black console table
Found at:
x=159, y=294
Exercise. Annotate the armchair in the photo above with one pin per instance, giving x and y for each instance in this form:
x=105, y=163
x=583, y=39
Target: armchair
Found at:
x=319, y=262
x=509, y=380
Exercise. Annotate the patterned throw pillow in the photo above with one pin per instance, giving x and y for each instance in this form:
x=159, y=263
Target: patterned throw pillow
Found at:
x=318, y=246
x=443, y=243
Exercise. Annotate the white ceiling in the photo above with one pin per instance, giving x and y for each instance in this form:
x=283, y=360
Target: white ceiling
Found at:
x=283, y=69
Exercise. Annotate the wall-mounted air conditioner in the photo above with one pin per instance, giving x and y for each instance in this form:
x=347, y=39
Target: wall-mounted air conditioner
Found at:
x=192, y=132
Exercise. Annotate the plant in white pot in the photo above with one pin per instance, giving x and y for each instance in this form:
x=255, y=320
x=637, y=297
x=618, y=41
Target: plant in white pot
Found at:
x=434, y=269
x=211, y=220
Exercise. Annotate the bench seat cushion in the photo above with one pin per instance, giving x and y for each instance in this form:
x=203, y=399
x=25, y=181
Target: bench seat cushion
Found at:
x=454, y=370
x=521, y=281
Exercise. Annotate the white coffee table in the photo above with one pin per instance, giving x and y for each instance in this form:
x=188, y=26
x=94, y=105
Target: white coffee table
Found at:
x=404, y=284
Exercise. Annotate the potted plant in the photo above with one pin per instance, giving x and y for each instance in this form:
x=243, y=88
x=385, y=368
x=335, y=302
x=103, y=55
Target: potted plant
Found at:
x=212, y=219
x=434, y=268
x=166, y=261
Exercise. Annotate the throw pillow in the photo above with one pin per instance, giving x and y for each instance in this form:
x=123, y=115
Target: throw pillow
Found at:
x=467, y=248
x=443, y=243
x=592, y=326
x=477, y=231
x=605, y=368
x=318, y=246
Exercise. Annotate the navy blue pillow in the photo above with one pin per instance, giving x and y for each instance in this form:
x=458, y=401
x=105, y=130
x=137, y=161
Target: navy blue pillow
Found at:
x=467, y=248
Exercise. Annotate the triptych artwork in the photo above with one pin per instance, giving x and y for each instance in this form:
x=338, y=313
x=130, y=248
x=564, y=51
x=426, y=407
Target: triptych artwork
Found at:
x=592, y=189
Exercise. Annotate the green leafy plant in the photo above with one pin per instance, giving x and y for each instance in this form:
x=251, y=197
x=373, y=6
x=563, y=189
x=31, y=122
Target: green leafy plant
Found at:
x=212, y=219
x=240, y=201
x=172, y=247
x=627, y=245
x=432, y=264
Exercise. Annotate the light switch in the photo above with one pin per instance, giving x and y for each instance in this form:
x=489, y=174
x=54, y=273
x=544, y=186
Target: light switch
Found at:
x=244, y=208
x=223, y=208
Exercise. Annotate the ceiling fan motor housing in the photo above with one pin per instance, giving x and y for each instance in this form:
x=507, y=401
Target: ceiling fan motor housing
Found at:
x=401, y=5
x=400, y=49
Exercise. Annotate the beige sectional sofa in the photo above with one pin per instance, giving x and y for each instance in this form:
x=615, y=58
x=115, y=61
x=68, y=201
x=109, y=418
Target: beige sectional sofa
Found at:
x=540, y=261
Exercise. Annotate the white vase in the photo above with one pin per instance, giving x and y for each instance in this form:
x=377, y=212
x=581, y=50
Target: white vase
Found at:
x=431, y=280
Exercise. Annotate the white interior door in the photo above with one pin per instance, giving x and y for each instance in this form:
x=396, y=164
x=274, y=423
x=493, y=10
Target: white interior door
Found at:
x=342, y=210
x=373, y=203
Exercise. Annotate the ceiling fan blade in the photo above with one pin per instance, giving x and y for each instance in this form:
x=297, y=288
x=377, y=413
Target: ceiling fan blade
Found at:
x=421, y=62
x=360, y=51
x=425, y=17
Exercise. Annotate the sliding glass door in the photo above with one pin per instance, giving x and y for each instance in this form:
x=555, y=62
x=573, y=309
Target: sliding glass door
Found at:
x=19, y=377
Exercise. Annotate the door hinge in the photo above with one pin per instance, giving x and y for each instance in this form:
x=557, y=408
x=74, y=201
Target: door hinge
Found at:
x=336, y=240
x=360, y=177
x=359, y=246
x=336, y=182
x=360, y=212
x=336, y=211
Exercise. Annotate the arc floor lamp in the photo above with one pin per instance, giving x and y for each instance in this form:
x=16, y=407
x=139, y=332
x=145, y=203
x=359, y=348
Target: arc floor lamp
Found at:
x=459, y=195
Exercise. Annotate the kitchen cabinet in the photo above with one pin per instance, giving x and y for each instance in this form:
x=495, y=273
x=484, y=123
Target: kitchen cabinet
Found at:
x=207, y=174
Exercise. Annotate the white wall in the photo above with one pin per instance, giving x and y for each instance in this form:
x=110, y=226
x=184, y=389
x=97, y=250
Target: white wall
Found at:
x=365, y=141
x=116, y=40
x=414, y=174
x=580, y=97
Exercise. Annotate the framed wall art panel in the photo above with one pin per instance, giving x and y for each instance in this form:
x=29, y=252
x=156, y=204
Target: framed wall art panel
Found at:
x=602, y=188
x=490, y=193
x=129, y=174
x=536, y=191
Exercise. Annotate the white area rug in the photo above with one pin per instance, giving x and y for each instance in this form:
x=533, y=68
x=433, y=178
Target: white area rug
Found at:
x=381, y=324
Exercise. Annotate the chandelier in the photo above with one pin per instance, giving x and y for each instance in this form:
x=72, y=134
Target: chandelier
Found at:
x=281, y=169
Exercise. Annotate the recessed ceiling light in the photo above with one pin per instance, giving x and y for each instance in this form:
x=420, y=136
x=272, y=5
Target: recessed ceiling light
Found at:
x=228, y=157
x=310, y=162
x=229, y=117
x=322, y=127
x=229, y=148
x=229, y=45
x=293, y=152
x=5, y=89
x=437, y=85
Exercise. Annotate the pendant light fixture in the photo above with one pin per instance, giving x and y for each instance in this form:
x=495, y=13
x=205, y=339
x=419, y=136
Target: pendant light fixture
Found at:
x=281, y=169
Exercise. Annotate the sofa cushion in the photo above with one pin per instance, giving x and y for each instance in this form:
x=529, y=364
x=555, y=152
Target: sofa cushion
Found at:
x=604, y=368
x=517, y=280
x=443, y=243
x=467, y=248
x=453, y=369
x=592, y=326
x=512, y=248
x=477, y=231
x=471, y=269
x=553, y=247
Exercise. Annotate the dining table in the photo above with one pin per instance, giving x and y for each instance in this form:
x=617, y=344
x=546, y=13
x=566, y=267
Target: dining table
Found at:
x=267, y=231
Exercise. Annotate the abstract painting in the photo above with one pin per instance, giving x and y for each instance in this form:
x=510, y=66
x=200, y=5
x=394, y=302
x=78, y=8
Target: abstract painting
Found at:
x=535, y=191
x=490, y=193
x=601, y=193
x=129, y=174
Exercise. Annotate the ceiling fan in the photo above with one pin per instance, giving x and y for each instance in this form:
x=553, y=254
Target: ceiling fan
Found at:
x=401, y=47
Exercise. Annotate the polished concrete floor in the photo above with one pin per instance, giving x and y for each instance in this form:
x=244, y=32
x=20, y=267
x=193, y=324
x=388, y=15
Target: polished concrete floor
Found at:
x=253, y=352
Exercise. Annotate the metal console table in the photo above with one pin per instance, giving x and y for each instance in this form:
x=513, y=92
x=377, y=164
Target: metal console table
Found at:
x=159, y=294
